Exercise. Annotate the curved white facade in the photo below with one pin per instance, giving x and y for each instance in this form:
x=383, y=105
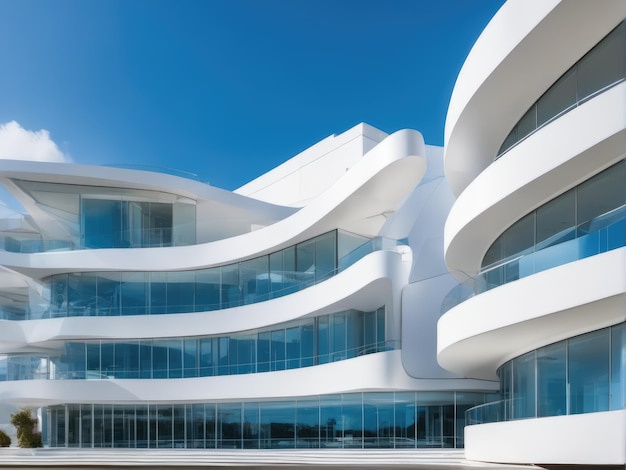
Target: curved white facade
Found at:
x=194, y=317
x=535, y=148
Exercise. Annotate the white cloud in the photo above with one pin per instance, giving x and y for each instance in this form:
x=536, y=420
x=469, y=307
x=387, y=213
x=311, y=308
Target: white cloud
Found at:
x=17, y=143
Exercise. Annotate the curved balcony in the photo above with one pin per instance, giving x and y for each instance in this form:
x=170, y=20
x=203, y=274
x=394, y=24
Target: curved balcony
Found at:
x=584, y=374
x=260, y=279
x=604, y=233
x=599, y=70
x=293, y=345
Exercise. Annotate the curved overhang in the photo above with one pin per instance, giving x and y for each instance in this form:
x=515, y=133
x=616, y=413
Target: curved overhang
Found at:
x=365, y=286
x=373, y=372
x=357, y=202
x=525, y=48
x=479, y=335
x=557, y=157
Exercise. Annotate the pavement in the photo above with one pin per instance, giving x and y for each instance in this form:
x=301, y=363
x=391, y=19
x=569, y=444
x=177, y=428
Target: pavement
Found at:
x=161, y=459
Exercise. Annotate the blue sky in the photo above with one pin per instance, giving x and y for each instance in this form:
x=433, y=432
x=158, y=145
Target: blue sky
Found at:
x=227, y=89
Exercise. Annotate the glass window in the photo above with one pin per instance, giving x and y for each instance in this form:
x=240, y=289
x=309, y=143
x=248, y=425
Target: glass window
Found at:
x=369, y=329
x=159, y=359
x=551, y=380
x=86, y=435
x=510, y=140
x=325, y=256
x=93, y=360
x=305, y=262
x=101, y=223
x=208, y=289
x=278, y=350
x=352, y=420
x=164, y=417
x=190, y=359
x=291, y=280
x=347, y=243
x=604, y=65
x=109, y=294
x=381, y=336
x=175, y=356
x=229, y=425
x=263, y=351
x=184, y=224
x=307, y=424
x=73, y=425
x=495, y=253
x=141, y=420
x=330, y=421
x=337, y=336
x=405, y=423
x=588, y=369
x=145, y=359
x=292, y=340
x=246, y=354
x=127, y=360
x=134, y=293
x=600, y=195
x=231, y=294
x=354, y=334
x=527, y=124
x=277, y=425
x=58, y=295
x=322, y=339
x=158, y=292
x=254, y=278
x=618, y=367
x=196, y=423
x=379, y=417
x=107, y=360
x=506, y=390
x=223, y=354
x=251, y=427
x=179, y=426
x=308, y=343
x=557, y=99
x=520, y=237
x=206, y=358
x=556, y=220
x=180, y=291
x=524, y=386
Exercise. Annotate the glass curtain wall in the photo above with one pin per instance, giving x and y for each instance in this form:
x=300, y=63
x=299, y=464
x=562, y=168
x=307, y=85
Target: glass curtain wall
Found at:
x=255, y=280
x=350, y=421
x=600, y=69
x=119, y=223
x=584, y=374
x=301, y=343
x=584, y=221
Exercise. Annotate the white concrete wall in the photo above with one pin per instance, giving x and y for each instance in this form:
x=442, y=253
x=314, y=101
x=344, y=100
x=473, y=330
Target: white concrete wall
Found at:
x=526, y=47
x=311, y=172
x=585, y=439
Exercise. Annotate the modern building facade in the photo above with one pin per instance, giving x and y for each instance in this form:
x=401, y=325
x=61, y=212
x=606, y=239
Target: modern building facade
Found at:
x=147, y=310
x=535, y=148
x=371, y=292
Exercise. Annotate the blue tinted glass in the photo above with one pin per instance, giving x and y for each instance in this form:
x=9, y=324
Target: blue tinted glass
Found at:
x=307, y=424
x=551, y=380
x=588, y=372
x=278, y=350
x=618, y=367
x=293, y=347
x=524, y=386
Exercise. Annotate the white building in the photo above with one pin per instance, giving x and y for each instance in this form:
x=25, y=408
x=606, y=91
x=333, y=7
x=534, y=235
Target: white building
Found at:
x=314, y=306
x=141, y=309
x=535, y=144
